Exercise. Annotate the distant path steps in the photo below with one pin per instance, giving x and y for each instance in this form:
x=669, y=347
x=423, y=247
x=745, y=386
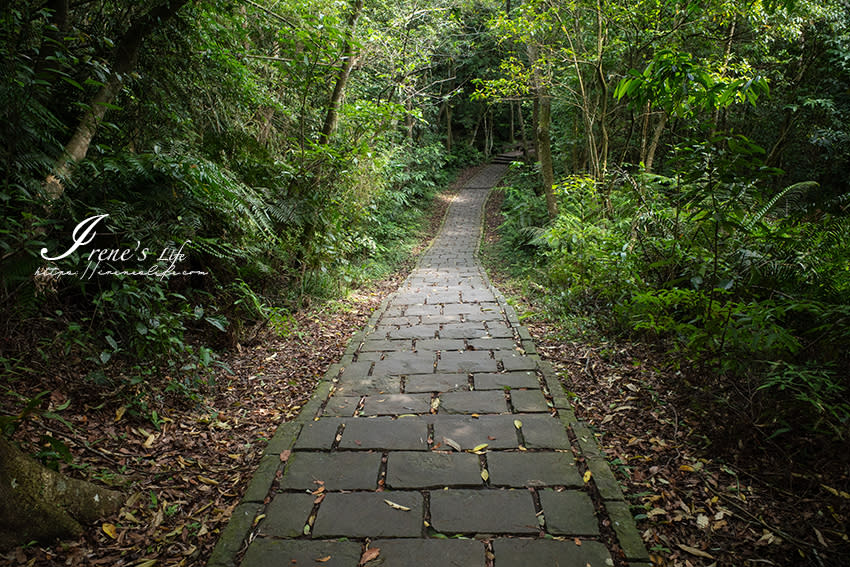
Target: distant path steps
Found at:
x=439, y=421
x=507, y=157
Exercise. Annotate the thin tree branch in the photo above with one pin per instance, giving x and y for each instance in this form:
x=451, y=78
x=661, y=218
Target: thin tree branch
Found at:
x=265, y=10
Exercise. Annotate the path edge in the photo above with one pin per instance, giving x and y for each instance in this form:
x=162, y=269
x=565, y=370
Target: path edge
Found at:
x=607, y=486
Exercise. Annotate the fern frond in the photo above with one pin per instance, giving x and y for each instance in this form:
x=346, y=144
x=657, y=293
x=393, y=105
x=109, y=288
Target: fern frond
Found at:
x=796, y=189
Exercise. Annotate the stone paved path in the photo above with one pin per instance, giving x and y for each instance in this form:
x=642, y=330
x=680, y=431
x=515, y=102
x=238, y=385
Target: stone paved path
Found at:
x=440, y=421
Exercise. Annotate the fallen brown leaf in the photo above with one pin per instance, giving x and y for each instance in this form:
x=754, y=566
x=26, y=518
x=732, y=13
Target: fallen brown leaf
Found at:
x=369, y=555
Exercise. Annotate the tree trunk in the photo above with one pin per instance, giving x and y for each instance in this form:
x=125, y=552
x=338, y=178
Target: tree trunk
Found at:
x=535, y=111
x=449, y=135
x=513, y=132
x=408, y=118
x=332, y=116
x=653, y=145
x=37, y=503
x=126, y=56
x=603, y=84
x=544, y=144
x=523, y=135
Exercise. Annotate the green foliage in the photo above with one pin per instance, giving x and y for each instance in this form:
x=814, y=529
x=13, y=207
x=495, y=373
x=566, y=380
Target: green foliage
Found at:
x=211, y=150
x=735, y=276
x=814, y=391
x=525, y=212
x=52, y=450
x=680, y=86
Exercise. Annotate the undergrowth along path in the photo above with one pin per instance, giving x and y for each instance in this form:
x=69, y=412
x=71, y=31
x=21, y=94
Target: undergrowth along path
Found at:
x=440, y=420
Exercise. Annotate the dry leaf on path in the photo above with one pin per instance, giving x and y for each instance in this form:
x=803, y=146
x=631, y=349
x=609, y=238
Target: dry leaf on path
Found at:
x=392, y=504
x=369, y=555
x=694, y=551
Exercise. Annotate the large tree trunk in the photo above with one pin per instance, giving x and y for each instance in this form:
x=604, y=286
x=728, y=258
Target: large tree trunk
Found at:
x=126, y=56
x=37, y=503
x=332, y=115
x=544, y=144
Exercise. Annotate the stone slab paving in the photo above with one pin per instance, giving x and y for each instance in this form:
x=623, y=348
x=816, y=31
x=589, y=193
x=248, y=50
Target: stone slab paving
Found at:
x=440, y=438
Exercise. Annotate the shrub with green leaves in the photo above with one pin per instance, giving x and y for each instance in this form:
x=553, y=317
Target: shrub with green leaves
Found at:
x=732, y=273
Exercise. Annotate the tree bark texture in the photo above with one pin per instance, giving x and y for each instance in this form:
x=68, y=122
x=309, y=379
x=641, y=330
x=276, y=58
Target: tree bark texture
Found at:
x=544, y=143
x=37, y=503
x=332, y=115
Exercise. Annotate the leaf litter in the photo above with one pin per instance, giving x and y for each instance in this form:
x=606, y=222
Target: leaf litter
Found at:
x=185, y=478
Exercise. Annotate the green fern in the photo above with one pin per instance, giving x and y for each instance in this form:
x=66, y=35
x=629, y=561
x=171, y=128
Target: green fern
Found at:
x=797, y=189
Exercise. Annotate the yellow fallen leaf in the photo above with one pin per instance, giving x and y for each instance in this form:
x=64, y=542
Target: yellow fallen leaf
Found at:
x=176, y=531
x=835, y=492
x=206, y=480
x=324, y=559
x=258, y=519
x=109, y=529
x=587, y=476
x=517, y=424
x=479, y=449
x=694, y=551
x=149, y=441
x=821, y=540
x=485, y=475
x=392, y=504
x=119, y=413
x=686, y=468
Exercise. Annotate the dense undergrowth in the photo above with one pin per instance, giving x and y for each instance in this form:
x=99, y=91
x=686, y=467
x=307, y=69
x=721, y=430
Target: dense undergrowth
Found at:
x=211, y=205
x=745, y=285
x=155, y=336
